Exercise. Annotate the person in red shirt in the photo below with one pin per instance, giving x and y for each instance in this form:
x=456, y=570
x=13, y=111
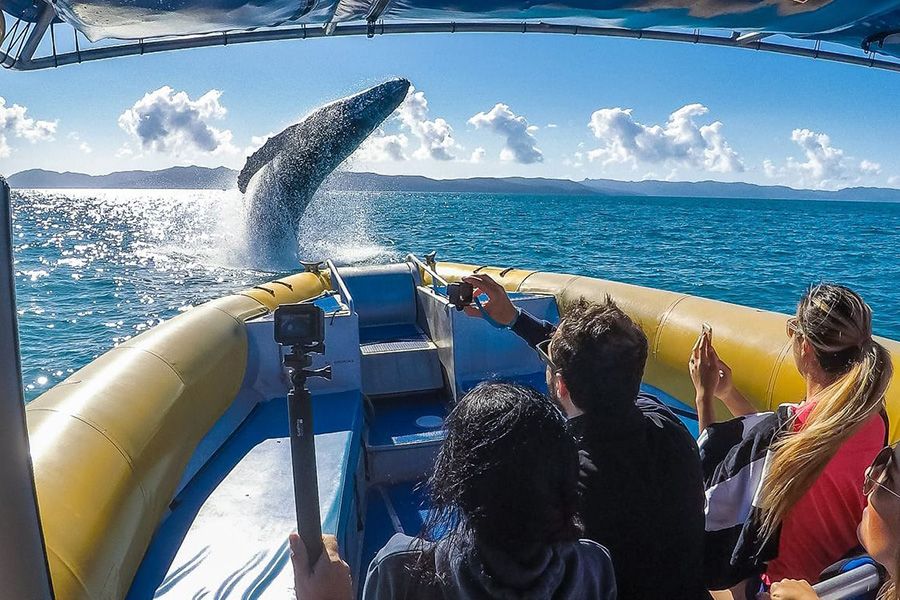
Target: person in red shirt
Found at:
x=878, y=532
x=810, y=495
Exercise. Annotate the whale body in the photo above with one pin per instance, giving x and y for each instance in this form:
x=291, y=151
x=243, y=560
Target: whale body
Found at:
x=280, y=179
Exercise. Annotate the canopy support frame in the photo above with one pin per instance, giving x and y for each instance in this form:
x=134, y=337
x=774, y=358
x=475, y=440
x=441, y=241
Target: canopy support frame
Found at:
x=24, y=568
x=331, y=29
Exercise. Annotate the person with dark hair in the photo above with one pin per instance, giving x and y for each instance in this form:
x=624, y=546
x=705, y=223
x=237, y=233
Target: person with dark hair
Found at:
x=504, y=520
x=640, y=481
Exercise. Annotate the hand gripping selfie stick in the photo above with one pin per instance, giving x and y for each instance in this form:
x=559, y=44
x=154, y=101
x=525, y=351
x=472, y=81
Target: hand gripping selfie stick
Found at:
x=302, y=327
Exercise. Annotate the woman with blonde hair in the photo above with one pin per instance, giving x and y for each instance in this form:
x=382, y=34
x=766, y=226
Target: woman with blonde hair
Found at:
x=784, y=489
x=879, y=531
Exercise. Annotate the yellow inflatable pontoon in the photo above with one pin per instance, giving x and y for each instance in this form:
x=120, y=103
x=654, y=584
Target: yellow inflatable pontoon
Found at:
x=161, y=469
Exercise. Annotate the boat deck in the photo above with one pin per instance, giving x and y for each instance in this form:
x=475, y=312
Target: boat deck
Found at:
x=400, y=357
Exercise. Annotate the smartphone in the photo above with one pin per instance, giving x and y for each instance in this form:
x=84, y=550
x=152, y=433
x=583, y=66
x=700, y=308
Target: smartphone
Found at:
x=706, y=330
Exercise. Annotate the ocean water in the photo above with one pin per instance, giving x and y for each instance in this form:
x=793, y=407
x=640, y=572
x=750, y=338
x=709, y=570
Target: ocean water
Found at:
x=94, y=268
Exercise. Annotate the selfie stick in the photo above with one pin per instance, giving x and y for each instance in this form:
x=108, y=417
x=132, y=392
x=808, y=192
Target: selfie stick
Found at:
x=303, y=447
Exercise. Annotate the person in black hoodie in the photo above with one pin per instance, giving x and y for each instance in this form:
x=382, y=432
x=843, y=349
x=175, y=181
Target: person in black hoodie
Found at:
x=640, y=481
x=504, y=520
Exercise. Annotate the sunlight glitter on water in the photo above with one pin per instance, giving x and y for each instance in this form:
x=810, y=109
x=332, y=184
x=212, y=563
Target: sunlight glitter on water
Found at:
x=97, y=267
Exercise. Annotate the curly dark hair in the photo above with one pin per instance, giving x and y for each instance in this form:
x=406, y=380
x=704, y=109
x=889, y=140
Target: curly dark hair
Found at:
x=507, y=473
x=601, y=354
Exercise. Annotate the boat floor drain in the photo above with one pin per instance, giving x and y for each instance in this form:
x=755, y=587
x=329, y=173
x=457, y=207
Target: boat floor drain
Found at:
x=429, y=422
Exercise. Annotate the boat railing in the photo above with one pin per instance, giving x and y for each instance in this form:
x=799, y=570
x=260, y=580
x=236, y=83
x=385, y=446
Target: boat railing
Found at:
x=851, y=584
x=337, y=282
x=426, y=268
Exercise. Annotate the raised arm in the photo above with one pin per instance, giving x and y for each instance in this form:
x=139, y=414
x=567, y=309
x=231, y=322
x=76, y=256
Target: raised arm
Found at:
x=725, y=391
x=712, y=379
x=501, y=309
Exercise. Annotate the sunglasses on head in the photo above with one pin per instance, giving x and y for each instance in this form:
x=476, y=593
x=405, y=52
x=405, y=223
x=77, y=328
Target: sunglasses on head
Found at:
x=792, y=327
x=875, y=474
x=543, y=350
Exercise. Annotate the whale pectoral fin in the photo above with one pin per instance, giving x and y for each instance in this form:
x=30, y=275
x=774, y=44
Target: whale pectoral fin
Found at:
x=258, y=159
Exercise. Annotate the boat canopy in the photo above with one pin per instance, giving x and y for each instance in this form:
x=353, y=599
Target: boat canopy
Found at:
x=868, y=32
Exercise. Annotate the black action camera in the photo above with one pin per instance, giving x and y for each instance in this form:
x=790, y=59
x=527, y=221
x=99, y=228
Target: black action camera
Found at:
x=300, y=324
x=460, y=294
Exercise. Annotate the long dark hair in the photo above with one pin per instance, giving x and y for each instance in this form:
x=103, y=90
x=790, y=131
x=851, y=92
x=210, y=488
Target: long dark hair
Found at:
x=507, y=474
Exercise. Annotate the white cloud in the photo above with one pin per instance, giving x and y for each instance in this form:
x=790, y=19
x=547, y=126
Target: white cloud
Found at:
x=83, y=146
x=869, y=168
x=478, y=155
x=521, y=145
x=681, y=141
x=552, y=125
x=576, y=160
x=168, y=121
x=894, y=180
x=823, y=166
x=15, y=121
x=125, y=151
x=435, y=136
x=381, y=147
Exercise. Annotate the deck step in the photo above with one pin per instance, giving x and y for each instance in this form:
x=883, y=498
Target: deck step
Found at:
x=400, y=366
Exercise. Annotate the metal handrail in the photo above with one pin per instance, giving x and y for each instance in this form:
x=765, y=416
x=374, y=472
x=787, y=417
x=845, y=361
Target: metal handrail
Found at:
x=421, y=264
x=338, y=281
x=851, y=584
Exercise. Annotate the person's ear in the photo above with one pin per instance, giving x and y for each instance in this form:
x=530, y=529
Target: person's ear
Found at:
x=562, y=390
x=806, y=349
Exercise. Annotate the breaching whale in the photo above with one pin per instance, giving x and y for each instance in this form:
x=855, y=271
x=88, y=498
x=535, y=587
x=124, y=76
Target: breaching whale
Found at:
x=280, y=179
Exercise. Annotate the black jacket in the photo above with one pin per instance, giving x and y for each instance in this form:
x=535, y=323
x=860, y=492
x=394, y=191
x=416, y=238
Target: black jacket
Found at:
x=573, y=571
x=642, y=492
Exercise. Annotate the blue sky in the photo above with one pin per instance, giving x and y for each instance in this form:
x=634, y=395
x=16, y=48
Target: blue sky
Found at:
x=571, y=107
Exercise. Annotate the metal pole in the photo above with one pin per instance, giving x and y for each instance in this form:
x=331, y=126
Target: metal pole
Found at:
x=303, y=459
x=37, y=34
x=24, y=570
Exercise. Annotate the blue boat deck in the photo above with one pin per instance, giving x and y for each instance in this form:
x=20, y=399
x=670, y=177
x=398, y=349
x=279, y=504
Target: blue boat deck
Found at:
x=398, y=364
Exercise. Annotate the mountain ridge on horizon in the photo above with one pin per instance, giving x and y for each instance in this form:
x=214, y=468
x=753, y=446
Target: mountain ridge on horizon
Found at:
x=193, y=177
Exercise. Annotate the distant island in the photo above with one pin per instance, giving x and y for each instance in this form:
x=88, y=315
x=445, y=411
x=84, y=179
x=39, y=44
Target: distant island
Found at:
x=224, y=178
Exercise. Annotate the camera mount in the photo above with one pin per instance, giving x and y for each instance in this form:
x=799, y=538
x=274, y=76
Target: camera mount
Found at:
x=302, y=328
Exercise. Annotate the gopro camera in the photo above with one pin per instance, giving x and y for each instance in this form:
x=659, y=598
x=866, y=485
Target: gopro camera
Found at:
x=460, y=294
x=300, y=324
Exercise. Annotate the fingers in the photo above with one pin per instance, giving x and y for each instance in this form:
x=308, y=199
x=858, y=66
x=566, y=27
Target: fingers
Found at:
x=331, y=546
x=695, y=351
x=299, y=556
x=472, y=311
x=726, y=370
x=485, y=283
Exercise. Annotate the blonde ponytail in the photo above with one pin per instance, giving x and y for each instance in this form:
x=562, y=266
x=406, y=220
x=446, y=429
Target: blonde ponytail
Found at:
x=837, y=323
